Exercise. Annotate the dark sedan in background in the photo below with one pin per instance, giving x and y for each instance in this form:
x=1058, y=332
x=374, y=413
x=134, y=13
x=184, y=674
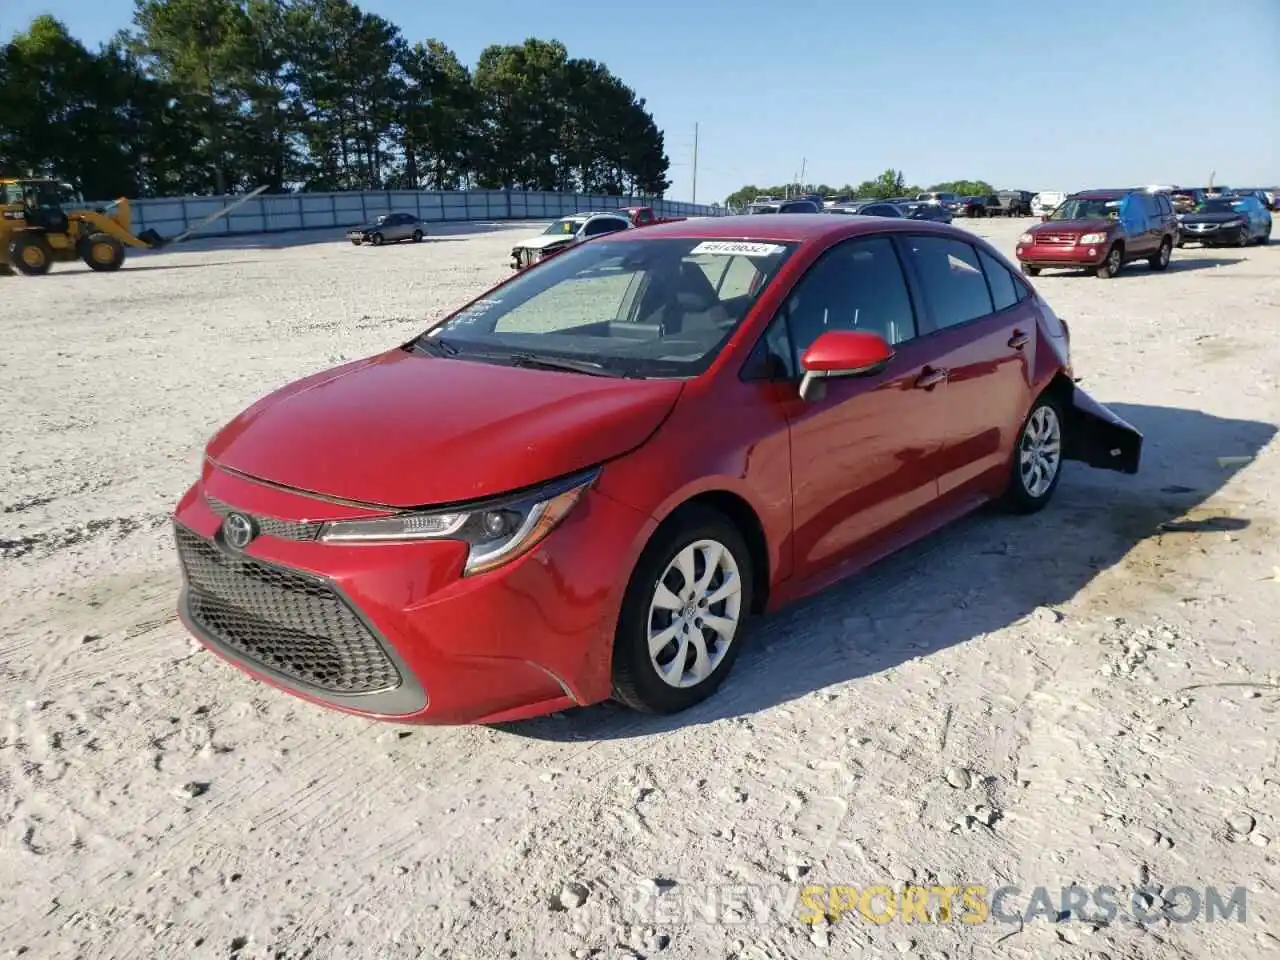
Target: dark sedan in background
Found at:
x=923, y=210
x=869, y=208
x=388, y=228
x=1226, y=221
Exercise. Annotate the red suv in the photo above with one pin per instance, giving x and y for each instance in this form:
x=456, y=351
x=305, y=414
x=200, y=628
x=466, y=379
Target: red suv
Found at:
x=1101, y=230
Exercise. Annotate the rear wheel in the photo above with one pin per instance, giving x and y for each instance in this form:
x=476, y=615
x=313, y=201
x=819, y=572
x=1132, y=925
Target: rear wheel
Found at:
x=1160, y=259
x=683, y=614
x=417, y=236
x=102, y=252
x=30, y=254
x=1037, y=458
x=1110, y=266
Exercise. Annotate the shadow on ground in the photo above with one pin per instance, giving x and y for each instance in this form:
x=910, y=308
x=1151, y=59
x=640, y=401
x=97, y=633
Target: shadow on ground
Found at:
x=998, y=569
x=1139, y=268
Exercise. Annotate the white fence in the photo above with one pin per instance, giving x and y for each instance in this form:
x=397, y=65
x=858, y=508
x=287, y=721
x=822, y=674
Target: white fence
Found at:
x=169, y=216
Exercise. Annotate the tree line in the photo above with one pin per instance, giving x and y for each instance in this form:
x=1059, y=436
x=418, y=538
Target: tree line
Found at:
x=217, y=96
x=891, y=183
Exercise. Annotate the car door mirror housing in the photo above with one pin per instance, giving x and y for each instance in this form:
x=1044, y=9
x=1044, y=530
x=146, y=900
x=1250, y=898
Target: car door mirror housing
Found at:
x=842, y=353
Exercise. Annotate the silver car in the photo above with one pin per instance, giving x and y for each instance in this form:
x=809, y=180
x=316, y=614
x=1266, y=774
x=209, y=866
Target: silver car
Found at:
x=389, y=228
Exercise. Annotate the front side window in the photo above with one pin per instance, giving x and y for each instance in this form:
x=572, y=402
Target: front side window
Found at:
x=858, y=285
x=638, y=308
x=952, y=278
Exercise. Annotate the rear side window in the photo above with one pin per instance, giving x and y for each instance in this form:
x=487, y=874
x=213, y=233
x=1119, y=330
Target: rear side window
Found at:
x=1004, y=289
x=952, y=278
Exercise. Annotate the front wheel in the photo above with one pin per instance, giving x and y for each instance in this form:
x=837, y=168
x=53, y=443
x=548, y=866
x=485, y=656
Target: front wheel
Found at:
x=378, y=239
x=1110, y=266
x=683, y=614
x=417, y=236
x=1030, y=271
x=102, y=252
x=1037, y=458
x=1160, y=259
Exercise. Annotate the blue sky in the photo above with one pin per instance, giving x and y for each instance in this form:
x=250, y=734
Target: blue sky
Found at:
x=1025, y=94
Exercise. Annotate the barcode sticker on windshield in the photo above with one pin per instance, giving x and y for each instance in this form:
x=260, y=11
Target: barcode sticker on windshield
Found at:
x=739, y=248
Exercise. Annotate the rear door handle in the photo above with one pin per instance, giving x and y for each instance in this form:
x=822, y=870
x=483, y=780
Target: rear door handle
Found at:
x=1019, y=340
x=931, y=377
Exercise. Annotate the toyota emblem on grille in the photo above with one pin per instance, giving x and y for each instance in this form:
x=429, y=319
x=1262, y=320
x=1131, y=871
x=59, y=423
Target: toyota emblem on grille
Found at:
x=238, y=530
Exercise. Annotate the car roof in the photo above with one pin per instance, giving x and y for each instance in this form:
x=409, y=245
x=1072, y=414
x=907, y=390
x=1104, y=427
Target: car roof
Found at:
x=789, y=228
x=1103, y=194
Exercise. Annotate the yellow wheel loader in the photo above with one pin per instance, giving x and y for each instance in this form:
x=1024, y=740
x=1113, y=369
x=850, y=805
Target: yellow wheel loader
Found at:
x=43, y=222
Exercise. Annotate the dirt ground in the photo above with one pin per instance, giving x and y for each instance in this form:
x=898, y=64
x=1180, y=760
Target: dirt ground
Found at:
x=1088, y=696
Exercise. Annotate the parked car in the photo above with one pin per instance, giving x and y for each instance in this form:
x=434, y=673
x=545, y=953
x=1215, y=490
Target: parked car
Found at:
x=1046, y=201
x=1186, y=199
x=920, y=210
x=1263, y=197
x=1015, y=203
x=645, y=216
x=943, y=198
x=388, y=228
x=565, y=233
x=523, y=509
x=1226, y=221
x=972, y=207
x=1101, y=230
x=872, y=208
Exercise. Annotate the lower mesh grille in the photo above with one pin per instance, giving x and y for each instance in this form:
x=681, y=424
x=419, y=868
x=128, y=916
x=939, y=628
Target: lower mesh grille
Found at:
x=292, y=623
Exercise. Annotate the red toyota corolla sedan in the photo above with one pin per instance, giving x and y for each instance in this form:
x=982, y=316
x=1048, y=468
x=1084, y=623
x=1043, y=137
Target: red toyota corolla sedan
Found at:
x=582, y=484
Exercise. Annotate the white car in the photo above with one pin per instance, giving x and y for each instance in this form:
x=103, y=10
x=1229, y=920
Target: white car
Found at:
x=1046, y=201
x=563, y=233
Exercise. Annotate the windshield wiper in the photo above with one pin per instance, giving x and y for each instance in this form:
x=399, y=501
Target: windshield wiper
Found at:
x=436, y=345
x=533, y=361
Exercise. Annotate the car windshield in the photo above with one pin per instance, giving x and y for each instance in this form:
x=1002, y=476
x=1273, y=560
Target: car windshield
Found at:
x=635, y=308
x=1079, y=208
x=564, y=227
x=1218, y=205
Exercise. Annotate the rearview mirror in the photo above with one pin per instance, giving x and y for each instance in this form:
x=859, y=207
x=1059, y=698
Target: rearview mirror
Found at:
x=842, y=353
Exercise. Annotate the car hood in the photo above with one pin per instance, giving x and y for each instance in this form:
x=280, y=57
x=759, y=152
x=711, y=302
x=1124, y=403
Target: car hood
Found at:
x=1089, y=225
x=542, y=241
x=364, y=227
x=407, y=430
x=1212, y=217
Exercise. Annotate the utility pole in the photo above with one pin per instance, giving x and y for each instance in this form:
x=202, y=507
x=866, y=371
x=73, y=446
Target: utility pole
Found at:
x=695, y=161
x=803, y=164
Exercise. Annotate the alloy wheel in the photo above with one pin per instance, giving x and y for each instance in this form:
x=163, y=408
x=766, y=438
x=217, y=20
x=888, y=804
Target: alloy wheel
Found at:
x=1040, y=451
x=694, y=613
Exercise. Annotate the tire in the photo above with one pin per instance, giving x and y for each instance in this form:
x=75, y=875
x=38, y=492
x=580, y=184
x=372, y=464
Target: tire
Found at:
x=1023, y=495
x=1244, y=240
x=377, y=239
x=30, y=254
x=1110, y=266
x=1030, y=271
x=1160, y=260
x=102, y=252
x=693, y=531
x=417, y=236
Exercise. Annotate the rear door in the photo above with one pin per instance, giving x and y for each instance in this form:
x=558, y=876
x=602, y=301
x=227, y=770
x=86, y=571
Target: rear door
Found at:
x=982, y=330
x=864, y=456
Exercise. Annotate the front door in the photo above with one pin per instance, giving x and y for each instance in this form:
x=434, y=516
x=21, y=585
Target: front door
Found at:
x=865, y=456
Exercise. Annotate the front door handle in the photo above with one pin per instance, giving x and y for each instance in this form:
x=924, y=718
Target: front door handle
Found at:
x=1019, y=340
x=931, y=377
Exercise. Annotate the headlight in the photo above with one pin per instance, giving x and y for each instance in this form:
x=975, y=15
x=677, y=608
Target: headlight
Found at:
x=1093, y=238
x=497, y=531
x=1232, y=224
x=1026, y=238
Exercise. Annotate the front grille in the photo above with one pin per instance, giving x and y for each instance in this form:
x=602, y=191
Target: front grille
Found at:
x=1063, y=239
x=292, y=623
x=271, y=526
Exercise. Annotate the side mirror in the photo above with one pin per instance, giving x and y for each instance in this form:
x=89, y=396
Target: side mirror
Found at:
x=1044, y=218
x=842, y=353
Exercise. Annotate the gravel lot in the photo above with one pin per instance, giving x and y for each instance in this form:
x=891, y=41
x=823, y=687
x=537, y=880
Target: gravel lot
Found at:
x=1086, y=696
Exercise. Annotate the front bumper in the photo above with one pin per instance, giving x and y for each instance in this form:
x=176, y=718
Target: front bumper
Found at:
x=355, y=236
x=392, y=631
x=1213, y=236
x=1061, y=254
